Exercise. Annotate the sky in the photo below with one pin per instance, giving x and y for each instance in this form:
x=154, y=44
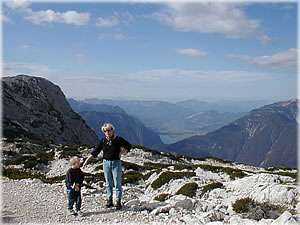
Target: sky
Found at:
x=155, y=50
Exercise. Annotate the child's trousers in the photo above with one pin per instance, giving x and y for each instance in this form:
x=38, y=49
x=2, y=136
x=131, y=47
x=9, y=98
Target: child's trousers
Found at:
x=74, y=197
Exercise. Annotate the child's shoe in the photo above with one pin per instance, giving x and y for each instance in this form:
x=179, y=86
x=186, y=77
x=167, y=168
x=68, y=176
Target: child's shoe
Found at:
x=109, y=203
x=118, y=205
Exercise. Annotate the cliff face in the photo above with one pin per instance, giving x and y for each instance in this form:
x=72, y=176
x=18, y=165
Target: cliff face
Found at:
x=35, y=108
x=265, y=137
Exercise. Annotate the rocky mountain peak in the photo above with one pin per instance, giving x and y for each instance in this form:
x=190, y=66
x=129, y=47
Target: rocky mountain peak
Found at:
x=35, y=108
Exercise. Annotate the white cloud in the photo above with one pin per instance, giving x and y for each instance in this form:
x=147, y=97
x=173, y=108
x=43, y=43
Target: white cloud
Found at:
x=116, y=19
x=14, y=68
x=17, y=4
x=211, y=17
x=4, y=18
x=47, y=16
x=191, y=52
x=195, y=76
x=50, y=16
x=108, y=22
x=285, y=60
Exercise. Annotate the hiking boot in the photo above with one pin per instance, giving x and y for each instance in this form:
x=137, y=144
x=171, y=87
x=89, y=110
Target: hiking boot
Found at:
x=109, y=203
x=118, y=205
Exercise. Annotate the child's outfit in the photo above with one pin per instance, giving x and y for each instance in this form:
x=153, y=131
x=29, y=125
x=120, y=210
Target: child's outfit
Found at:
x=73, y=177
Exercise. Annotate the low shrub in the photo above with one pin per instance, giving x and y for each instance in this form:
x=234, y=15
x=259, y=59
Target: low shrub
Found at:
x=161, y=197
x=165, y=177
x=93, y=178
x=131, y=177
x=69, y=151
x=210, y=187
x=188, y=189
x=19, y=174
x=131, y=166
x=251, y=209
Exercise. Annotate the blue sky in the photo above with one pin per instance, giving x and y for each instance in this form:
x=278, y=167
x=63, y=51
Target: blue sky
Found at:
x=163, y=50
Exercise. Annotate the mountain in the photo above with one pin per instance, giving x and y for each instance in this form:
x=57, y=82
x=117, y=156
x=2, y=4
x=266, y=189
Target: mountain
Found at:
x=265, y=137
x=35, y=108
x=158, y=188
x=223, y=105
x=126, y=126
x=210, y=120
x=180, y=120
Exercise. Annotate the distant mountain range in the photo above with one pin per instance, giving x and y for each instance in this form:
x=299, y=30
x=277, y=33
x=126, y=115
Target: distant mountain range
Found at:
x=183, y=119
x=126, y=126
x=265, y=137
x=34, y=108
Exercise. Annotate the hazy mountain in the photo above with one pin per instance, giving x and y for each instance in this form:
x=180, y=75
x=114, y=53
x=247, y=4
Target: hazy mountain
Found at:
x=223, y=105
x=210, y=120
x=265, y=137
x=182, y=119
x=35, y=108
x=126, y=126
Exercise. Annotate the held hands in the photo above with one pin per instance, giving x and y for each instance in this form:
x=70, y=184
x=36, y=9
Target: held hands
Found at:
x=76, y=188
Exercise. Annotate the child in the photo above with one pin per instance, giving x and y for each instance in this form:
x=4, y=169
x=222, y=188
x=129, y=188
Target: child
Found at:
x=74, y=180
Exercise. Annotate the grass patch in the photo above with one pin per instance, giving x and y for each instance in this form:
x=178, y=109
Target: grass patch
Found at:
x=69, y=151
x=132, y=177
x=209, y=187
x=19, y=174
x=233, y=173
x=251, y=209
x=165, y=177
x=162, y=197
x=188, y=189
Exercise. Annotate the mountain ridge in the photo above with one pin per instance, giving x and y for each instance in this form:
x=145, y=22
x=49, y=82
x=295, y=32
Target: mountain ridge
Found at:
x=261, y=138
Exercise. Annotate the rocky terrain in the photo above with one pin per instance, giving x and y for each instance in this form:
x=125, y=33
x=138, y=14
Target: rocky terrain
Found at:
x=35, y=108
x=159, y=188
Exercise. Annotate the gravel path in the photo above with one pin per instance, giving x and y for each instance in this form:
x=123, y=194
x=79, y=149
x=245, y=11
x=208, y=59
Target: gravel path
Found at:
x=33, y=202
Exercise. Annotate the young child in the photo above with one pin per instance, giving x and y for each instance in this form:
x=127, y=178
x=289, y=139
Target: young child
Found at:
x=74, y=180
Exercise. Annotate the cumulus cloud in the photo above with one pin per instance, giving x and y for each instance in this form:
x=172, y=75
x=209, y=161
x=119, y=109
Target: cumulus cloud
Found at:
x=285, y=60
x=191, y=52
x=211, y=17
x=50, y=16
x=47, y=16
x=116, y=19
x=17, y=4
x=107, y=22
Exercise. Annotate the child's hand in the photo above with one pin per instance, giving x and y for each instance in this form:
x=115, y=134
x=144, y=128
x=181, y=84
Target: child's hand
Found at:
x=76, y=187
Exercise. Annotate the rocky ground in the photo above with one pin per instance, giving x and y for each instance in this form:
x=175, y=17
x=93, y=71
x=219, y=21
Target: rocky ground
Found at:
x=31, y=201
